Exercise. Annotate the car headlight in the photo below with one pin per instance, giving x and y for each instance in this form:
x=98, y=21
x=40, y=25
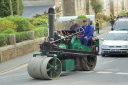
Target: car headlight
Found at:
x=125, y=46
x=104, y=46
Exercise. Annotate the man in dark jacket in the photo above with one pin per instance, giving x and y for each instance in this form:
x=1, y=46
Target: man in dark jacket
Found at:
x=74, y=26
x=112, y=22
x=88, y=33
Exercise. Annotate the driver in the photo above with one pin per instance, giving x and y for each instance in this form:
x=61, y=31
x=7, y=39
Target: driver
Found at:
x=74, y=26
x=88, y=33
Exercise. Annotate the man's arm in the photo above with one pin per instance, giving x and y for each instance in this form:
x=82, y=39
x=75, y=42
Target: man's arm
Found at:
x=71, y=28
x=90, y=30
x=82, y=30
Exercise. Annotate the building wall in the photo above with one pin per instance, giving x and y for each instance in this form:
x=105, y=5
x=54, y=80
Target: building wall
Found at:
x=118, y=6
x=58, y=4
x=80, y=7
x=126, y=5
x=106, y=7
x=70, y=7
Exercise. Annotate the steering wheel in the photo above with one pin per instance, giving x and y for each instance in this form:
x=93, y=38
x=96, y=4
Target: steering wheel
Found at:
x=79, y=30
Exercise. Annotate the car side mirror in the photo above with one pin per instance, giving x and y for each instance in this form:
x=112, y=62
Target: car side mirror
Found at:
x=102, y=39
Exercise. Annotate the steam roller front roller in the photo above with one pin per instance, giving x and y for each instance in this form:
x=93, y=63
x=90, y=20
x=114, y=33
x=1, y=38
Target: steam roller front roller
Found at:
x=43, y=67
x=86, y=63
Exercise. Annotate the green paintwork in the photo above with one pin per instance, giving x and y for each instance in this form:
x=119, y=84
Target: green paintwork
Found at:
x=53, y=68
x=76, y=44
x=97, y=43
x=63, y=46
x=67, y=65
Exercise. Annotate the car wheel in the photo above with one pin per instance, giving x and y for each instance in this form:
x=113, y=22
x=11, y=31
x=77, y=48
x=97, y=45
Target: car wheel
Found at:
x=103, y=55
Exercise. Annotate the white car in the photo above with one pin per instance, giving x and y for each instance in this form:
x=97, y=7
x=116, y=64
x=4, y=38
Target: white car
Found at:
x=115, y=43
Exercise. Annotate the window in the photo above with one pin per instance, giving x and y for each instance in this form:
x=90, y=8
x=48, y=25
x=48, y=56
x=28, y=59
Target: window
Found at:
x=60, y=6
x=77, y=4
x=80, y=4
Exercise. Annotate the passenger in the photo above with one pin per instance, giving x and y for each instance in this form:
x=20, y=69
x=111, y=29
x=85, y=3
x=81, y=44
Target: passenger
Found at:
x=74, y=26
x=88, y=33
x=92, y=24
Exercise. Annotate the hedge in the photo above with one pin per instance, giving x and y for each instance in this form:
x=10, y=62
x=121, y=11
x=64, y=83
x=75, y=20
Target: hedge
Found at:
x=22, y=36
x=40, y=32
x=4, y=39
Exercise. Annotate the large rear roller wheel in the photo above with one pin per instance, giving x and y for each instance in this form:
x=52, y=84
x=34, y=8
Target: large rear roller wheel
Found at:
x=44, y=68
x=86, y=63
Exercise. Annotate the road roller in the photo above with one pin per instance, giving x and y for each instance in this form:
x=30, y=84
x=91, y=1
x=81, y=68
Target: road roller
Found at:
x=62, y=51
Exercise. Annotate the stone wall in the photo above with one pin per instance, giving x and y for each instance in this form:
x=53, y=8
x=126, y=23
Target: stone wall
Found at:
x=105, y=25
x=19, y=49
x=38, y=2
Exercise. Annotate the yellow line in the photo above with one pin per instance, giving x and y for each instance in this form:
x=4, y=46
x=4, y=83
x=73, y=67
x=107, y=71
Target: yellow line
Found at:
x=25, y=64
x=102, y=34
x=14, y=68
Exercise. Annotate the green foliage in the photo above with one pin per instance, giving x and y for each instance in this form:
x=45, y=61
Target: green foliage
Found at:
x=40, y=32
x=9, y=31
x=23, y=23
x=4, y=39
x=97, y=6
x=123, y=14
x=102, y=18
x=38, y=21
x=8, y=24
x=22, y=36
x=5, y=7
x=82, y=17
x=37, y=15
x=111, y=15
x=45, y=12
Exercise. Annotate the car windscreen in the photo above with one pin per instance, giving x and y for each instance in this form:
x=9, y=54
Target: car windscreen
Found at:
x=122, y=25
x=117, y=36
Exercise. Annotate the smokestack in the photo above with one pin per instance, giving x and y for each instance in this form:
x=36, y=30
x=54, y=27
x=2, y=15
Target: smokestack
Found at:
x=51, y=13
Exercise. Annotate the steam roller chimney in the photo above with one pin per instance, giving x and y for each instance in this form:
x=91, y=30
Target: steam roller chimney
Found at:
x=51, y=13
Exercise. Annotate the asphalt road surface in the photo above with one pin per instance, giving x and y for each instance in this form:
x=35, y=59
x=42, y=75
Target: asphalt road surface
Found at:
x=30, y=11
x=110, y=70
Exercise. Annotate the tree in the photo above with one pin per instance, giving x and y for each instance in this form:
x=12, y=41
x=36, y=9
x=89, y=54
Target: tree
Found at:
x=97, y=6
x=5, y=7
x=11, y=7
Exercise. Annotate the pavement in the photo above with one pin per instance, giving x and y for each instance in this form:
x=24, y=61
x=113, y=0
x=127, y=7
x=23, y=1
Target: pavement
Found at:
x=110, y=70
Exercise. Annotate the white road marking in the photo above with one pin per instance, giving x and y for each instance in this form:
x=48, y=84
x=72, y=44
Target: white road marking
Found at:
x=121, y=73
x=104, y=72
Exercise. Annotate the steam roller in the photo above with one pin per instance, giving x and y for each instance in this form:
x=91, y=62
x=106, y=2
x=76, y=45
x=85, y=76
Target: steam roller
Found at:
x=62, y=51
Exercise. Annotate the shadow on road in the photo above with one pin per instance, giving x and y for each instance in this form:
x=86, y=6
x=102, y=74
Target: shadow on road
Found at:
x=116, y=56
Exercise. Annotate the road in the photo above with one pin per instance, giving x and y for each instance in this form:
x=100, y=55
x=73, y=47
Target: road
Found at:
x=110, y=70
x=30, y=11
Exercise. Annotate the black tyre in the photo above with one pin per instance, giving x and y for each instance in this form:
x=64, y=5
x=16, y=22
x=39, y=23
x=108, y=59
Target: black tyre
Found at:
x=103, y=55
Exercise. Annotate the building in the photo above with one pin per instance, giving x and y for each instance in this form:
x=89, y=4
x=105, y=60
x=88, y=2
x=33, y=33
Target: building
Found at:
x=125, y=5
x=106, y=7
x=70, y=7
x=118, y=6
x=83, y=7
